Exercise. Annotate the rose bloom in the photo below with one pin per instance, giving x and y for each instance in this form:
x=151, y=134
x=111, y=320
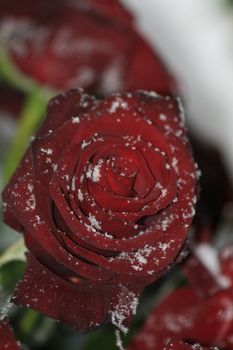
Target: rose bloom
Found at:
x=7, y=340
x=104, y=197
x=92, y=44
x=196, y=316
x=215, y=183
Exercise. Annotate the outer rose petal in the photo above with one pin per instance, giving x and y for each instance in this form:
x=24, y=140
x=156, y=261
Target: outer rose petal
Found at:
x=23, y=173
x=7, y=340
x=169, y=344
x=61, y=107
x=91, y=304
x=144, y=68
x=201, y=277
x=176, y=345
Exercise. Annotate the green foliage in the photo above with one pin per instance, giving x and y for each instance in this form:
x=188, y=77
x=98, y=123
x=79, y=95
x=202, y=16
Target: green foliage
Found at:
x=32, y=114
x=10, y=274
x=15, y=252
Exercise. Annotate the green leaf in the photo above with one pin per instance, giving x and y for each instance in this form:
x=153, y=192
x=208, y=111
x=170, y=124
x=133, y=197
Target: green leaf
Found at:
x=16, y=252
x=101, y=339
x=28, y=322
x=10, y=274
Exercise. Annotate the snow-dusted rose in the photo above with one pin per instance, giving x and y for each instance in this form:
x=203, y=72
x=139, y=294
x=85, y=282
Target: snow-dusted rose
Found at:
x=188, y=321
x=104, y=197
x=197, y=316
x=87, y=43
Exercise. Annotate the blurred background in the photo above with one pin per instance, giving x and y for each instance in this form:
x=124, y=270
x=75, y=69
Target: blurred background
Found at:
x=182, y=48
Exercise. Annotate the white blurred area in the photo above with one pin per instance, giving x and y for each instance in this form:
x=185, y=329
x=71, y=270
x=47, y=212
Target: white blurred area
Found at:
x=195, y=38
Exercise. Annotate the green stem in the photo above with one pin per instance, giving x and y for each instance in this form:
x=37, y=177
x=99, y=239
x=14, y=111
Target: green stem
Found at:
x=17, y=79
x=33, y=110
x=32, y=113
x=11, y=74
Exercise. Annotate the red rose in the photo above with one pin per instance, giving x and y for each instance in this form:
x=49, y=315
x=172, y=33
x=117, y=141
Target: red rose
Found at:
x=187, y=318
x=198, y=313
x=215, y=183
x=104, y=196
x=7, y=340
x=92, y=44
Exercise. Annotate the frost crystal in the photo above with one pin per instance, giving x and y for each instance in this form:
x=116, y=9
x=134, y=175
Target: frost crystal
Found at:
x=119, y=340
x=94, y=222
x=48, y=151
x=75, y=120
x=80, y=195
x=122, y=310
x=96, y=171
x=31, y=202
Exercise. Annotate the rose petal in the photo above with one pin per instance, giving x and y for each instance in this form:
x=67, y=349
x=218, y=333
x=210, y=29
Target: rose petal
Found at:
x=7, y=340
x=42, y=290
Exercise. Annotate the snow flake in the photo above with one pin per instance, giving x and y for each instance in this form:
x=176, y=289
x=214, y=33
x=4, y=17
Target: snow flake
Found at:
x=80, y=195
x=85, y=144
x=162, y=117
x=75, y=120
x=94, y=222
x=96, y=171
x=48, y=151
x=119, y=103
x=125, y=306
x=31, y=202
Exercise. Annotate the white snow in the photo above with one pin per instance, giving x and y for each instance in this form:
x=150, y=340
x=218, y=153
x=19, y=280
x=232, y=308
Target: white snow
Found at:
x=94, y=222
x=75, y=120
x=210, y=259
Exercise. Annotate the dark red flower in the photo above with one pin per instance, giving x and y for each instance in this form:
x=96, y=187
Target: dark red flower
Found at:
x=201, y=313
x=92, y=44
x=7, y=340
x=104, y=196
x=185, y=317
x=215, y=184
